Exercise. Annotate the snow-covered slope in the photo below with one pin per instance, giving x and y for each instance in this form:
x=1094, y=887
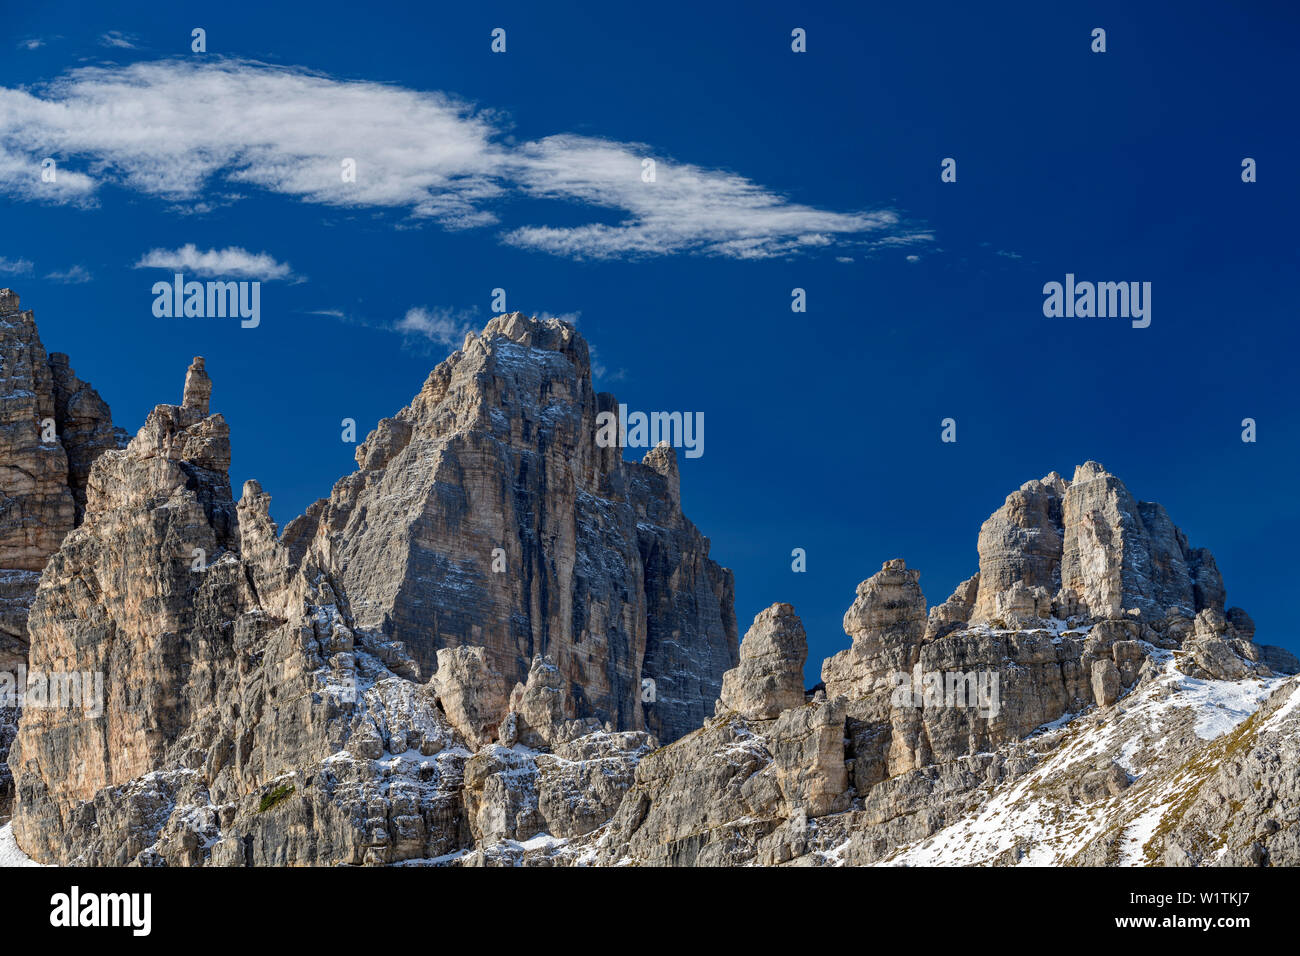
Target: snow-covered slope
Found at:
x=10, y=855
x=1114, y=784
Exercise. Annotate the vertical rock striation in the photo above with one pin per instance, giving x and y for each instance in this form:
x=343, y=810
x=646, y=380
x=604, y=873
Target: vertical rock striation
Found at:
x=1058, y=548
x=233, y=684
x=769, y=679
x=52, y=428
x=485, y=514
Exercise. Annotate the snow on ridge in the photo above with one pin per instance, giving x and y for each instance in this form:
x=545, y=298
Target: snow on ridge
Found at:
x=1285, y=711
x=1140, y=734
x=1223, y=704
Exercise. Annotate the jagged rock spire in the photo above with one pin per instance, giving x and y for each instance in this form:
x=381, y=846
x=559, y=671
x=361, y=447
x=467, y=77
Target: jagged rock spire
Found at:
x=769, y=678
x=198, y=387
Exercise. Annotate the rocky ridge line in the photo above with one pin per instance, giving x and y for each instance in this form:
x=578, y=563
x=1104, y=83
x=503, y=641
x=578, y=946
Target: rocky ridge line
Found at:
x=278, y=703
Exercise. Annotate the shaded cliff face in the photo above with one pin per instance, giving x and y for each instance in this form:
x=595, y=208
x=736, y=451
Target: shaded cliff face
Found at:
x=52, y=428
x=484, y=514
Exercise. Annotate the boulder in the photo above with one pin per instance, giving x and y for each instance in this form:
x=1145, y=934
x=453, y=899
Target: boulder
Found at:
x=473, y=695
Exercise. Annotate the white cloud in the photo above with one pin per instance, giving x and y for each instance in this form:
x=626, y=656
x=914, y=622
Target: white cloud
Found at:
x=231, y=262
x=75, y=275
x=118, y=40
x=686, y=209
x=168, y=128
x=31, y=43
x=180, y=129
x=441, y=326
x=15, y=267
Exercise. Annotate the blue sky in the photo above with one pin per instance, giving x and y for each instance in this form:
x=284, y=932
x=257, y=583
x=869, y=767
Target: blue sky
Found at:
x=822, y=428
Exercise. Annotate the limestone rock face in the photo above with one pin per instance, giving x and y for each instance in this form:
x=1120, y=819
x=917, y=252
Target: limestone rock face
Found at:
x=512, y=794
x=887, y=623
x=582, y=783
x=85, y=426
x=541, y=712
x=38, y=505
x=215, y=671
x=854, y=781
x=955, y=612
x=920, y=692
x=924, y=719
x=1240, y=809
x=52, y=428
x=1020, y=550
x=248, y=718
x=485, y=514
x=369, y=689
x=1221, y=648
x=1279, y=660
x=198, y=387
x=121, y=599
x=1121, y=554
x=807, y=744
x=769, y=679
x=1058, y=548
x=243, y=719
x=700, y=801
x=1105, y=681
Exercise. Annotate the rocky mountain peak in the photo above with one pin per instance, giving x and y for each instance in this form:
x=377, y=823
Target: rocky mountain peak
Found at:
x=1057, y=548
x=504, y=525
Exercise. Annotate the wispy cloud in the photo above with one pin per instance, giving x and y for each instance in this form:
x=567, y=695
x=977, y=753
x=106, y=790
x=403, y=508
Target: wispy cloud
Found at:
x=685, y=209
x=437, y=328
x=31, y=43
x=15, y=267
x=118, y=40
x=600, y=371
x=74, y=275
x=426, y=154
x=232, y=261
x=440, y=326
